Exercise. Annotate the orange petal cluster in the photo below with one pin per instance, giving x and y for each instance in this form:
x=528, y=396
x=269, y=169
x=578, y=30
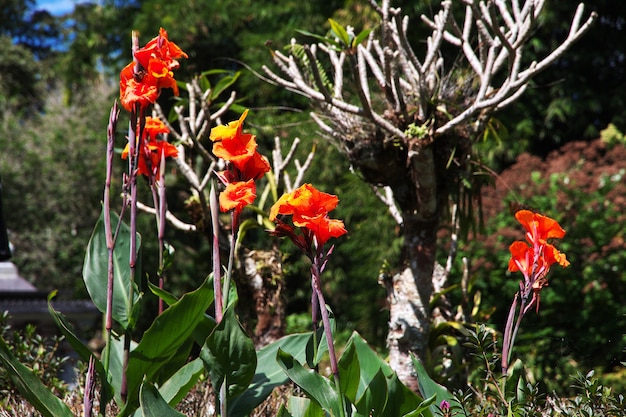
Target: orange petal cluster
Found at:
x=245, y=166
x=534, y=257
x=309, y=209
x=141, y=82
x=539, y=229
x=154, y=149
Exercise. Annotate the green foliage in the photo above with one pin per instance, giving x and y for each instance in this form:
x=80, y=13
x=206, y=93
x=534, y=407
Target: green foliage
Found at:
x=568, y=332
x=229, y=356
x=95, y=271
x=40, y=353
x=57, y=153
x=21, y=90
x=612, y=136
x=30, y=386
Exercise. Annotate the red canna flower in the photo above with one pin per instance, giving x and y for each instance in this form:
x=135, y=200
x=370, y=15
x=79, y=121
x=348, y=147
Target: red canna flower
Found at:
x=237, y=195
x=142, y=83
x=309, y=208
x=136, y=89
x=539, y=227
x=153, y=150
x=162, y=50
x=255, y=167
x=534, y=259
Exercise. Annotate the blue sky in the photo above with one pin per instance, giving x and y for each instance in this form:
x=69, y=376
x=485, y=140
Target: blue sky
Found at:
x=56, y=7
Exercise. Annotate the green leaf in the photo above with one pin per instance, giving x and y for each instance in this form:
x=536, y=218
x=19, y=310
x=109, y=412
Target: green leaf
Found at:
x=223, y=84
x=316, y=387
x=153, y=405
x=428, y=387
x=322, y=39
x=31, y=387
x=401, y=400
x=268, y=373
x=304, y=407
x=361, y=37
x=95, y=270
x=422, y=410
x=161, y=342
x=175, y=388
x=164, y=295
x=79, y=347
x=349, y=372
x=374, y=397
x=229, y=355
x=340, y=32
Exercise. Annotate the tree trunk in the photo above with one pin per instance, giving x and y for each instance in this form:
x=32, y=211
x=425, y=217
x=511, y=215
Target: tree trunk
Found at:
x=409, y=299
x=264, y=278
x=412, y=287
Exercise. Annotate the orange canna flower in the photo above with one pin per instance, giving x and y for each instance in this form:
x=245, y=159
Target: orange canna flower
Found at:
x=539, y=227
x=304, y=200
x=156, y=60
x=237, y=195
x=309, y=208
x=149, y=161
x=255, y=167
x=155, y=126
x=133, y=91
x=160, y=49
x=231, y=144
x=521, y=258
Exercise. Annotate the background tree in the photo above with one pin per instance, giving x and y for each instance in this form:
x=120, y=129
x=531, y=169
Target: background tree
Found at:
x=408, y=123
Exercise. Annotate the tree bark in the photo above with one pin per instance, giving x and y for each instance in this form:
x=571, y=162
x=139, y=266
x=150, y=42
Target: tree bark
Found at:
x=264, y=278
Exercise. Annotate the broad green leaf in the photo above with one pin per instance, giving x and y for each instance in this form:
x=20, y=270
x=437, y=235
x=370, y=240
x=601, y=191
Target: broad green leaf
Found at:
x=374, y=397
x=175, y=388
x=166, y=296
x=304, y=407
x=79, y=347
x=423, y=409
x=95, y=270
x=229, y=355
x=316, y=387
x=153, y=405
x=369, y=362
x=268, y=373
x=401, y=400
x=174, y=363
x=282, y=412
x=161, y=342
x=115, y=355
x=428, y=387
x=349, y=372
x=31, y=387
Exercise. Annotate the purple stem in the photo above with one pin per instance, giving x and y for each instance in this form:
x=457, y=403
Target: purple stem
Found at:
x=217, y=267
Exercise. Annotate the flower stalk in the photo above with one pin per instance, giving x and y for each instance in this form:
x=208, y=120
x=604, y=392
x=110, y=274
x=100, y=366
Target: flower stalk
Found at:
x=533, y=259
x=309, y=210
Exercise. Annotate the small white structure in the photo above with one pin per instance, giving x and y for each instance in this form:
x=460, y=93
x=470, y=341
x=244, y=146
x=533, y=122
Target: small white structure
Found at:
x=10, y=280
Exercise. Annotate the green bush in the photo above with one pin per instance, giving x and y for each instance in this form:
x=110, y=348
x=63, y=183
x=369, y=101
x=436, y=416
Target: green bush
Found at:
x=580, y=324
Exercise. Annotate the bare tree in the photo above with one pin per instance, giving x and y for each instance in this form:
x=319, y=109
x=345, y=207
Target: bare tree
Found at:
x=407, y=122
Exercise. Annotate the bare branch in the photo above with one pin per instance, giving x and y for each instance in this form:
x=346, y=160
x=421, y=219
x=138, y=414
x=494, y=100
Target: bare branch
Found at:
x=387, y=198
x=173, y=220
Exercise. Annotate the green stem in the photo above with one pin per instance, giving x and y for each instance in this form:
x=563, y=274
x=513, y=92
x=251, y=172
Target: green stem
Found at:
x=231, y=256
